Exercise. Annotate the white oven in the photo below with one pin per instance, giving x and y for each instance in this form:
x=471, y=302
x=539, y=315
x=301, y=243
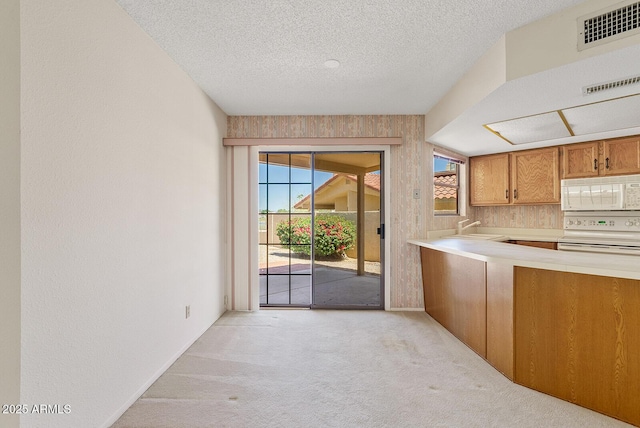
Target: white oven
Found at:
x=615, y=232
x=601, y=215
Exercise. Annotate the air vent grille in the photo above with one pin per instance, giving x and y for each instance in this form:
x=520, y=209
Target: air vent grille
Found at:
x=608, y=26
x=588, y=90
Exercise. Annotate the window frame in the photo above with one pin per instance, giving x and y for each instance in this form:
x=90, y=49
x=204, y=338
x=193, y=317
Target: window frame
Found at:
x=459, y=172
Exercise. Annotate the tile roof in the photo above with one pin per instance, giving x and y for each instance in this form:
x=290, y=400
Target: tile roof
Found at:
x=445, y=192
x=370, y=180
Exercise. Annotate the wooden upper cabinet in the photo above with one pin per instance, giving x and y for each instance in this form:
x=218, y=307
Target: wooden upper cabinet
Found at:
x=489, y=179
x=621, y=156
x=580, y=160
x=535, y=176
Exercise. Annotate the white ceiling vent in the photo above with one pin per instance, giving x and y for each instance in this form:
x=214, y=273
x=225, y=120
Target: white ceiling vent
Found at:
x=604, y=26
x=592, y=89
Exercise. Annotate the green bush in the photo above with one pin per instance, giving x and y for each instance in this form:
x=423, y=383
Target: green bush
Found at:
x=333, y=234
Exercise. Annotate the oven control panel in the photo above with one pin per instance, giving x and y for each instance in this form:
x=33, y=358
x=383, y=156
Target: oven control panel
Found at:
x=627, y=222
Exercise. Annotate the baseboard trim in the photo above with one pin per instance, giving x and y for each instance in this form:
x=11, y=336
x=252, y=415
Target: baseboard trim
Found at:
x=406, y=309
x=112, y=420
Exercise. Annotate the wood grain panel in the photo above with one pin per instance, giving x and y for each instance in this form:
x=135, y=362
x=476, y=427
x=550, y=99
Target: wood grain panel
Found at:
x=538, y=244
x=577, y=337
x=535, y=176
x=621, y=156
x=455, y=295
x=489, y=179
x=500, y=317
x=580, y=160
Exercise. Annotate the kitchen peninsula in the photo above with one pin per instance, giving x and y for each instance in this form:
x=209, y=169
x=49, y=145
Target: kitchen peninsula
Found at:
x=563, y=323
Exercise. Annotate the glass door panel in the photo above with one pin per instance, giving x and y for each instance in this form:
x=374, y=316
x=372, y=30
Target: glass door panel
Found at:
x=347, y=217
x=284, y=228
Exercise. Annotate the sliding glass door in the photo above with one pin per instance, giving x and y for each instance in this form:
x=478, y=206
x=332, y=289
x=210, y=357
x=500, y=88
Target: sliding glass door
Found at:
x=320, y=230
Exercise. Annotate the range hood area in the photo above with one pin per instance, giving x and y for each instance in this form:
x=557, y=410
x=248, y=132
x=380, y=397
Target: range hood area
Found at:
x=538, y=87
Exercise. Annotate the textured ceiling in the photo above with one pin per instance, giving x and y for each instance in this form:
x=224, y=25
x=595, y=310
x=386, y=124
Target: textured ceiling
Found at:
x=266, y=57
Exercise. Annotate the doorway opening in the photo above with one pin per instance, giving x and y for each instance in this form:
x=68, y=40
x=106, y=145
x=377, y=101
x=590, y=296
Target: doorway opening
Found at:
x=321, y=229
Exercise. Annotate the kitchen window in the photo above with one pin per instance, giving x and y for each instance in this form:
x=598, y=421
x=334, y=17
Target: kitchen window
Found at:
x=446, y=185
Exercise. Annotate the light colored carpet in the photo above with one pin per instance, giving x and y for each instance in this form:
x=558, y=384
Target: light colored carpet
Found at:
x=304, y=368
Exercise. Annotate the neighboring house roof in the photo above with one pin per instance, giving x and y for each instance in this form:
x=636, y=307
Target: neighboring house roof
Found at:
x=371, y=181
x=445, y=192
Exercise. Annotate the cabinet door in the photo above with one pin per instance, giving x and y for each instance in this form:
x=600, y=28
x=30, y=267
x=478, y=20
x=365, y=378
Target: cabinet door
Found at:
x=535, y=176
x=489, y=179
x=621, y=156
x=580, y=160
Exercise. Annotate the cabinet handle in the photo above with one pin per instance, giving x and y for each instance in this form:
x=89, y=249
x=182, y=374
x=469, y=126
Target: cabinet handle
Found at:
x=606, y=163
x=515, y=193
x=595, y=164
x=506, y=194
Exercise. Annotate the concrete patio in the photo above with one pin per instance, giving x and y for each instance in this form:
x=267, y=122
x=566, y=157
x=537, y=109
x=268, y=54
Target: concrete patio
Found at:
x=336, y=282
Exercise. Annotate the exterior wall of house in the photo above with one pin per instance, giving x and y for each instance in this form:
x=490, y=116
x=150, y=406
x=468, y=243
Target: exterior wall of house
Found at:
x=342, y=203
x=9, y=208
x=123, y=194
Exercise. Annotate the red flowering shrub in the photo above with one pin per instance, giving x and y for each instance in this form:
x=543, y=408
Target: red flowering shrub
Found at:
x=333, y=234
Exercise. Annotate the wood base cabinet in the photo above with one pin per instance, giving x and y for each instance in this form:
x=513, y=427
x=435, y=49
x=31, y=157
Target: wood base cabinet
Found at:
x=577, y=337
x=500, y=318
x=455, y=296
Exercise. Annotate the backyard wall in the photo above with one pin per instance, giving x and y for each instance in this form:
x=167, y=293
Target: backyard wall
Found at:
x=123, y=195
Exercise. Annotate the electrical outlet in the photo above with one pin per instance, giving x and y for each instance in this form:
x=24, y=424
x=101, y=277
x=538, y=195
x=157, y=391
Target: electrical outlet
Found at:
x=187, y=311
x=416, y=193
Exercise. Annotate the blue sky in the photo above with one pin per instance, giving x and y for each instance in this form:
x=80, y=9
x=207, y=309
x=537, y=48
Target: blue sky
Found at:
x=439, y=164
x=278, y=186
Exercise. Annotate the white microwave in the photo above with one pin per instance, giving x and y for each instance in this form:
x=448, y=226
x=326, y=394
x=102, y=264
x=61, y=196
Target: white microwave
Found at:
x=601, y=193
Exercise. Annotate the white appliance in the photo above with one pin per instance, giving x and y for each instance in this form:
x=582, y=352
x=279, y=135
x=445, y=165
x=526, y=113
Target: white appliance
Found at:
x=615, y=232
x=601, y=215
x=601, y=193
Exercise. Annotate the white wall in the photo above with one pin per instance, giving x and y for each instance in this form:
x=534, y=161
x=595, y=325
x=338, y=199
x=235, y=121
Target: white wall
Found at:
x=484, y=77
x=123, y=202
x=551, y=42
x=9, y=207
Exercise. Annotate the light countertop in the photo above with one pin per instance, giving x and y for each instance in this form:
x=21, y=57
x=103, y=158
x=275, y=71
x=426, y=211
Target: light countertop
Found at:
x=620, y=266
x=514, y=234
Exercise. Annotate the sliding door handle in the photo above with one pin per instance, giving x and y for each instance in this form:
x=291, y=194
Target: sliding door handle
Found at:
x=380, y=231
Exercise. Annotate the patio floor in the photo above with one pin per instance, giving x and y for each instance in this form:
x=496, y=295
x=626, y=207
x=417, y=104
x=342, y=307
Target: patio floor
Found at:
x=336, y=282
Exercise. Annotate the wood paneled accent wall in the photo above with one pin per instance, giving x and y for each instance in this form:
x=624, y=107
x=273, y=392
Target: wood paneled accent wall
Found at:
x=411, y=168
x=524, y=216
